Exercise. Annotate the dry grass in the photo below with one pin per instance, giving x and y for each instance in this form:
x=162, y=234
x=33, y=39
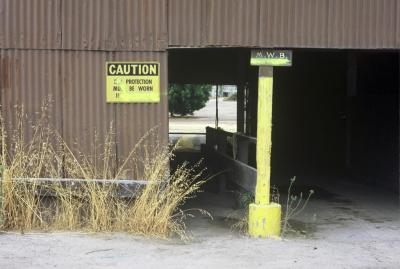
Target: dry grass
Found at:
x=294, y=206
x=90, y=206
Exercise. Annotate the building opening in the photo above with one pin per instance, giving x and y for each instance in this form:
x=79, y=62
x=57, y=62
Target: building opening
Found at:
x=335, y=128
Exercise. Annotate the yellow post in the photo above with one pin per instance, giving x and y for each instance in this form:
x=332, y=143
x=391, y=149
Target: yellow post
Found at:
x=264, y=217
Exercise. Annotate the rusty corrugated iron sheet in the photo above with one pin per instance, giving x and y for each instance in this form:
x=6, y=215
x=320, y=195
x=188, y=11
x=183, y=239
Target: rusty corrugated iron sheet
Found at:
x=233, y=23
x=155, y=25
x=32, y=79
x=288, y=23
x=115, y=25
x=361, y=24
x=135, y=120
x=75, y=82
x=187, y=21
x=112, y=25
x=30, y=24
x=85, y=113
x=85, y=110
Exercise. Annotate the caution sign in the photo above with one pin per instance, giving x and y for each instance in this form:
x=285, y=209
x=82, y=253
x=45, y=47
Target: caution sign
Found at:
x=133, y=82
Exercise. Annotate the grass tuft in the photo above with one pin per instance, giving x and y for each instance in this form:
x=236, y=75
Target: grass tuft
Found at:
x=28, y=203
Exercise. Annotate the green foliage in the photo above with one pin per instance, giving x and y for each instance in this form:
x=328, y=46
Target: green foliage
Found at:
x=185, y=99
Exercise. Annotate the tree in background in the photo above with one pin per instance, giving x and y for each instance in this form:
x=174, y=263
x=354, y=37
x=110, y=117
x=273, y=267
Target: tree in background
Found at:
x=185, y=99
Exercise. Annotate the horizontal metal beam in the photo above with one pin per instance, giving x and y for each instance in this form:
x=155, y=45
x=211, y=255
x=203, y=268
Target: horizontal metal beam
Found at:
x=124, y=188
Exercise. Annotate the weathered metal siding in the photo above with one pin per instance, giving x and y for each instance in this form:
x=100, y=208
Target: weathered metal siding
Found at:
x=188, y=21
x=233, y=22
x=85, y=110
x=365, y=24
x=29, y=78
x=288, y=23
x=397, y=44
x=75, y=82
x=153, y=25
x=135, y=120
x=30, y=24
x=58, y=49
x=115, y=25
x=362, y=23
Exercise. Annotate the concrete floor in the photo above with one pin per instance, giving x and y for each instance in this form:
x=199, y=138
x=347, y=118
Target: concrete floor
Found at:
x=345, y=226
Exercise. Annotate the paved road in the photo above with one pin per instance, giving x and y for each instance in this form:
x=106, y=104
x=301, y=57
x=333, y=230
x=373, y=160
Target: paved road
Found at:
x=206, y=117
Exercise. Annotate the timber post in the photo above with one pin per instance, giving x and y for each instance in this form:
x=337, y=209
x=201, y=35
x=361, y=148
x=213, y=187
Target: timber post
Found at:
x=264, y=216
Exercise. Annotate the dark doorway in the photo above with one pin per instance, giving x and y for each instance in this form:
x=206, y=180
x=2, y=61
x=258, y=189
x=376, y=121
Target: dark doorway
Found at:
x=336, y=117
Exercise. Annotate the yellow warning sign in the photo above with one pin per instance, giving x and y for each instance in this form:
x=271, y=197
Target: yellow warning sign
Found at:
x=133, y=82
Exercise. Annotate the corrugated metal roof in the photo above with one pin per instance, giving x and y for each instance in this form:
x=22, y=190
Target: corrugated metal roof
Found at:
x=115, y=25
x=30, y=24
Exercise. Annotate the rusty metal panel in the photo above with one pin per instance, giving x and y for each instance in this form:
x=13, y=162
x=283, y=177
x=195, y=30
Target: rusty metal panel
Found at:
x=233, y=22
x=362, y=23
x=30, y=78
x=285, y=23
x=288, y=23
x=249, y=23
x=75, y=82
x=30, y=24
x=397, y=44
x=86, y=113
x=135, y=120
x=115, y=25
x=187, y=21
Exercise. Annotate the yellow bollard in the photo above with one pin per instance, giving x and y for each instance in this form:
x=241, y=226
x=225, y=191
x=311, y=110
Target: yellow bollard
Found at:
x=264, y=217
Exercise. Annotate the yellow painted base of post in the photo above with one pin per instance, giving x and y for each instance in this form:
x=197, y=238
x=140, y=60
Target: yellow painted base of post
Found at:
x=265, y=220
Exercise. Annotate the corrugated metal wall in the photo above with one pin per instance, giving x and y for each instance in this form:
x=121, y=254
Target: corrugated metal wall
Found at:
x=154, y=25
x=85, y=109
x=187, y=22
x=115, y=25
x=361, y=24
x=31, y=77
x=74, y=82
x=30, y=24
x=58, y=49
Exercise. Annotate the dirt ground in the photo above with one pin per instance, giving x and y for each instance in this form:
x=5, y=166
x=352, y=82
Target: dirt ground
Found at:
x=349, y=226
